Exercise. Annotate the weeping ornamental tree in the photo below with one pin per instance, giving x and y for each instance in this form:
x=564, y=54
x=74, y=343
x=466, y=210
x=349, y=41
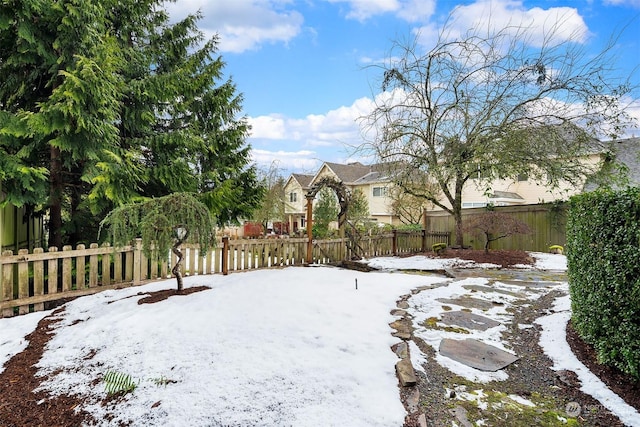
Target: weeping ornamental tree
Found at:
x=164, y=224
x=493, y=103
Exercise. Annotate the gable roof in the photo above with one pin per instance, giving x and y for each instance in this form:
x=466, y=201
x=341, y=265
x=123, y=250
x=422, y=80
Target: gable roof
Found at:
x=355, y=173
x=628, y=153
x=625, y=152
x=303, y=180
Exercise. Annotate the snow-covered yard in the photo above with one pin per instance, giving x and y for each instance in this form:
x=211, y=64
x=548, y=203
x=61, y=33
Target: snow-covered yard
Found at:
x=295, y=346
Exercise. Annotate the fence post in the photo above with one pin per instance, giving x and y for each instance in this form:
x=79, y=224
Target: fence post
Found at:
x=394, y=242
x=137, y=261
x=424, y=240
x=225, y=255
x=309, y=229
x=66, y=270
x=6, y=286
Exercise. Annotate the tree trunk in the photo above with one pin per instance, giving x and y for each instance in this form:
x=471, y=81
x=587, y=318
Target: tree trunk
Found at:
x=176, y=268
x=74, y=234
x=457, y=211
x=459, y=236
x=55, y=198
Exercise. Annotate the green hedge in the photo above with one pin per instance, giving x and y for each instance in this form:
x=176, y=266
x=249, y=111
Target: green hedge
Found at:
x=603, y=256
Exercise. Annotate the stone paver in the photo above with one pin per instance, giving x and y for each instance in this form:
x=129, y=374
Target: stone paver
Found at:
x=476, y=354
x=468, y=320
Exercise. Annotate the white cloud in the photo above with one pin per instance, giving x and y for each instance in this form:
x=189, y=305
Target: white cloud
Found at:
x=631, y=3
x=409, y=10
x=243, y=24
x=317, y=137
x=538, y=26
x=303, y=160
x=335, y=128
x=633, y=109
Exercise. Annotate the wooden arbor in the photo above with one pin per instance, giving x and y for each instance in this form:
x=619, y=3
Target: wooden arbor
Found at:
x=344, y=197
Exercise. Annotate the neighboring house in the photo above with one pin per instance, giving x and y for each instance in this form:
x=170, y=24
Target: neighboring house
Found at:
x=522, y=191
x=373, y=183
x=19, y=229
x=295, y=207
x=625, y=152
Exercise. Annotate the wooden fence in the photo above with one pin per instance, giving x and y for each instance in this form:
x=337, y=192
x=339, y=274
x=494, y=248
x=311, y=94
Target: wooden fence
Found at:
x=33, y=281
x=546, y=220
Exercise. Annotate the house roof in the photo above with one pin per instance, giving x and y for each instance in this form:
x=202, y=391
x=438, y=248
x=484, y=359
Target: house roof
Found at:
x=348, y=173
x=303, y=180
x=628, y=153
x=371, y=177
x=357, y=173
x=625, y=152
x=506, y=195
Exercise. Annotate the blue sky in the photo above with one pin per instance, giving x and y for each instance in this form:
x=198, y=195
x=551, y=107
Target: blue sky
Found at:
x=302, y=66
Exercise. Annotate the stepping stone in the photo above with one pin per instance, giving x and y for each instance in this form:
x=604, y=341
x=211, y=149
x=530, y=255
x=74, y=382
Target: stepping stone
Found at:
x=476, y=354
x=488, y=289
x=401, y=349
x=405, y=372
x=529, y=283
x=469, y=302
x=468, y=320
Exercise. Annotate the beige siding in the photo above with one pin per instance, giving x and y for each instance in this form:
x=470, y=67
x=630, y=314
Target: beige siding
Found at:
x=531, y=192
x=379, y=206
x=299, y=205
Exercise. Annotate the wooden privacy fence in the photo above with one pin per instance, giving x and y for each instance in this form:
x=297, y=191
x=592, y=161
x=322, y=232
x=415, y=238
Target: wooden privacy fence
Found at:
x=546, y=220
x=32, y=281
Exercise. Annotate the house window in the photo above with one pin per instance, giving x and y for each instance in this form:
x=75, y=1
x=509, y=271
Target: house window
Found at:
x=466, y=205
x=379, y=191
x=293, y=197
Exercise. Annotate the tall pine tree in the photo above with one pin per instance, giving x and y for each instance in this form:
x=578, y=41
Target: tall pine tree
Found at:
x=106, y=102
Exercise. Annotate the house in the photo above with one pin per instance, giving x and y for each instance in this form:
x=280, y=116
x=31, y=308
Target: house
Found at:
x=624, y=153
x=522, y=191
x=370, y=179
x=20, y=229
x=295, y=207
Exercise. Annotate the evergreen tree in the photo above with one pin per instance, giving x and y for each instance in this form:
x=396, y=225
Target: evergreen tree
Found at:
x=358, y=212
x=325, y=211
x=106, y=102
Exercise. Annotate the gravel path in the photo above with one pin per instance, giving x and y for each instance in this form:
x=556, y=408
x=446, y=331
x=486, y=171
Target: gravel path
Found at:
x=533, y=394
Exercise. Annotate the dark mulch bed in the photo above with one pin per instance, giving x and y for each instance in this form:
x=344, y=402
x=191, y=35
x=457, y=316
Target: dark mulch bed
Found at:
x=164, y=294
x=619, y=382
x=502, y=258
x=19, y=405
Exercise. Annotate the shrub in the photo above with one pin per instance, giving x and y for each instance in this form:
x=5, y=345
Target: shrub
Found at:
x=439, y=247
x=556, y=249
x=603, y=256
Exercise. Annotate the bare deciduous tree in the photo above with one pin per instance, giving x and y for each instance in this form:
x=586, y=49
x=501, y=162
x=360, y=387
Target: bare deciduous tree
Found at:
x=407, y=207
x=492, y=105
x=272, y=205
